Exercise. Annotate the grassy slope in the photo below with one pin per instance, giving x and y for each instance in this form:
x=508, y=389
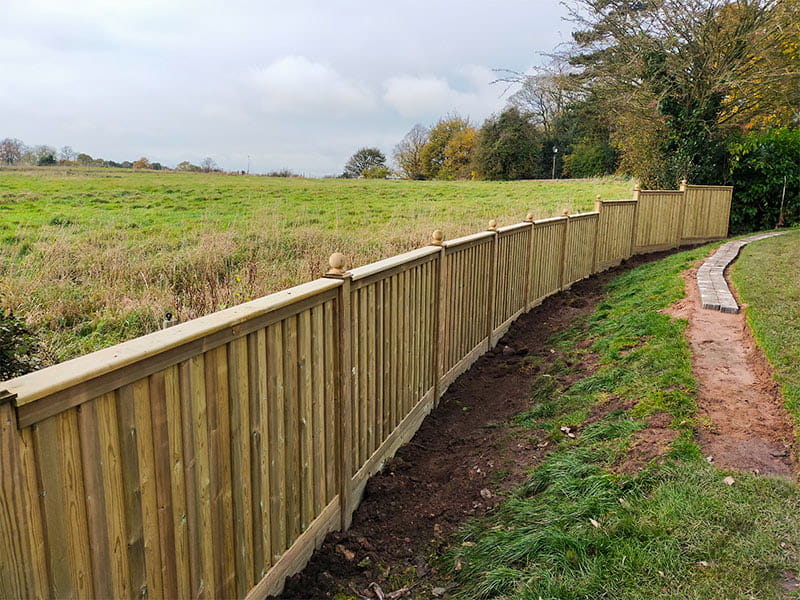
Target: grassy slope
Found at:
x=92, y=257
x=673, y=530
x=767, y=278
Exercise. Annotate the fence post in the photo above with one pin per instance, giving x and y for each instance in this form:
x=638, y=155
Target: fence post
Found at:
x=562, y=269
x=344, y=375
x=636, y=190
x=492, y=277
x=598, y=207
x=440, y=338
x=682, y=218
x=529, y=269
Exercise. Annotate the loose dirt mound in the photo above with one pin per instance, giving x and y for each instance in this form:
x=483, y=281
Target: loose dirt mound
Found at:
x=743, y=423
x=465, y=453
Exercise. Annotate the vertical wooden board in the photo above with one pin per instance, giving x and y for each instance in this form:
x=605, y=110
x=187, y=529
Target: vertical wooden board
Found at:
x=355, y=349
x=219, y=434
x=95, y=500
x=148, y=502
x=190, y=468
x=113, y=494
x=277, y=441
x=291, y=429
x=131, y=485
x=305, y=390
x=260, y=453
x=177, y=479
x=460, y=318
x=330, y=401
x=380, y=310
x=406, y=360
x=370, y=403
x=163, y=483
x=202, y=472
x=30, y=504
x=47, y=452
x=393, y=355
x=363, y=380
x=320, y=458
x=240, y=449
x=19, y=511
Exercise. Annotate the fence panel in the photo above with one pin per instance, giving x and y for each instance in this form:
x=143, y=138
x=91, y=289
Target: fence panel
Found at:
x=614, y=227
x=511, y=276
x=393, y=319
x=659, y=215
x=707, y=212
x=547, y=258
x=579, y=248
x=468, y=263
x=135, y=466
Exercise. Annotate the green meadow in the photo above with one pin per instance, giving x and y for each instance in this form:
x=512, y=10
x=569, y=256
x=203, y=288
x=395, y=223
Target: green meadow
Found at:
x=92, y=257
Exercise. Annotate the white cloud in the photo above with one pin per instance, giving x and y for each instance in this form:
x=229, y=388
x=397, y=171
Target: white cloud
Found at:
x=430, y=97
x=295, y=84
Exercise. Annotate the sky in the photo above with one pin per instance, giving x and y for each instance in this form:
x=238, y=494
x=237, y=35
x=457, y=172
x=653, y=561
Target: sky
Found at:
x=295, y=84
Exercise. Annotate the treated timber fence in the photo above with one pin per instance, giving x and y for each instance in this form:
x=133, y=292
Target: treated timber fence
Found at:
x=211, y=458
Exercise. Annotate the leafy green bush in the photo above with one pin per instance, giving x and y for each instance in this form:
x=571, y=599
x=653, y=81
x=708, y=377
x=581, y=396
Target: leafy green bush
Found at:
x=18, y=348
x=760, y=164
x=591, y=158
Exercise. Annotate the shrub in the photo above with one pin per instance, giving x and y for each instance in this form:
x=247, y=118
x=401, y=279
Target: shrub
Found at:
x=18, y=348
x=760, y=164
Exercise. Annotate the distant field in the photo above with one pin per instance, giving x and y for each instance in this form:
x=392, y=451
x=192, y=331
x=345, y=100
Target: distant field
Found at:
x=94, y=257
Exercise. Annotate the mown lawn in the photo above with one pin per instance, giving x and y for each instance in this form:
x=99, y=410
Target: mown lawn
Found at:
x=580, y=527
x=93, y=257
x=767, y=278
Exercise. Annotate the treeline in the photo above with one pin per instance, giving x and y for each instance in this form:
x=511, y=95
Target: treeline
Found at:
x=16, y=152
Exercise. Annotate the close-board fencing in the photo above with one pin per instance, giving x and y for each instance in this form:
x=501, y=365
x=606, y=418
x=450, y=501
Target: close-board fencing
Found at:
x=210, y=459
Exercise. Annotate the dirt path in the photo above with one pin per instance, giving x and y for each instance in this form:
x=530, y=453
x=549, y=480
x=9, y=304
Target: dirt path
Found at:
x=465, y=453
x=743, y=424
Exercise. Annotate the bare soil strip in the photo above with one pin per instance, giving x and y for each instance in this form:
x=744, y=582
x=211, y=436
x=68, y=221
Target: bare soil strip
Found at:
x=743, y=424
x=463, y=456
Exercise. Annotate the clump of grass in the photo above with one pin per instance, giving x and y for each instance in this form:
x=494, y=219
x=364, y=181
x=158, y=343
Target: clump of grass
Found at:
x=578, y=529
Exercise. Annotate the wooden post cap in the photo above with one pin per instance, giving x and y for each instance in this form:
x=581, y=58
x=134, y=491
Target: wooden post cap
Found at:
x=529, y=218
x=336, y=261
x=597, y=198
x=438, y=238
x=683, y=181
x=565, y=213
x=637, y=188
x=492, y=225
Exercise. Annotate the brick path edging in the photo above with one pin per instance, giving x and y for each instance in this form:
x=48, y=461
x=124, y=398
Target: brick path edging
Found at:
x=714, y=291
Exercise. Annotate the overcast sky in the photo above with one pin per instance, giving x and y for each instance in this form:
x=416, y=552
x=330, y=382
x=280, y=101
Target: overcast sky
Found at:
x=296, y=84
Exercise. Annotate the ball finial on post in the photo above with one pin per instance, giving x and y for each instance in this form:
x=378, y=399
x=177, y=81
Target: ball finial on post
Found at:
x=529, y=218
x=336, y=262
x=637, y=188
x=565, y=213
x=492, y=225
x=438, y=238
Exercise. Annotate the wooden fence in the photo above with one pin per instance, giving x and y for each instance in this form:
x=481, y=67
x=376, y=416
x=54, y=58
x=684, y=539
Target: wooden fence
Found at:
x=210, y=459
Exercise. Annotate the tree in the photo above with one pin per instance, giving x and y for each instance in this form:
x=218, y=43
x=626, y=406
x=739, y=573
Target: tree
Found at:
x=675, y=77
x=375, y=172
x=44, y=156
x=408, y=153
x=208, y=164
x=433, y=153
x=67, y=153
x=186, y=166
x=142, y=163
x=363, y=159
x=11, y=151
x=508, y=147
x=458, y=155
x=84, y=159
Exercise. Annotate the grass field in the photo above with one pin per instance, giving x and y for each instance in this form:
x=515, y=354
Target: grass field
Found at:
x=580, y=529
x=90, y=258
x=767, y=278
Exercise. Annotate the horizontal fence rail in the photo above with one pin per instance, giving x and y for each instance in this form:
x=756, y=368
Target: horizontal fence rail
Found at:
x=210, y=459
